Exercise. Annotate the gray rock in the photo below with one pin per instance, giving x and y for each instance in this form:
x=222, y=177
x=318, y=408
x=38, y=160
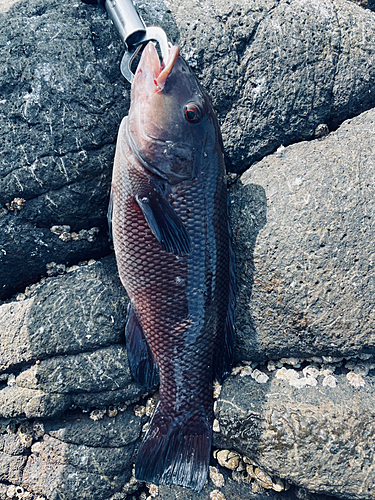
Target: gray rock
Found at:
x=105, y=369
x=11, y=467
x=56, y=481
x=26, y=249
x=16, y=402
x=275, y=70
x=62, y=100
x=65, y=345
x=304, y=233
x=77, y=428
x=82, y=458
x=320, y=438
x=77, y=312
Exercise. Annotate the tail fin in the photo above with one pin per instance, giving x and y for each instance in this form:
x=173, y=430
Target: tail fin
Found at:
x=175, y=450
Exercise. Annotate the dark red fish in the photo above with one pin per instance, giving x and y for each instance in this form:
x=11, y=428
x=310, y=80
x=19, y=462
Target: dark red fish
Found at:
x=172, y=243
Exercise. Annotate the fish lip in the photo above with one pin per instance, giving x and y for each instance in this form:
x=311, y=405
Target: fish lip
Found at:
x=174, y=53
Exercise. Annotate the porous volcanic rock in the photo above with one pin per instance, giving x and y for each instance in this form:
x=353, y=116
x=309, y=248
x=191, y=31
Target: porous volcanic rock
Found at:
x=275, y=69
x=78, y=457
x=319, y=437
x=304, y=229
x=63, y=345
x=62, y=100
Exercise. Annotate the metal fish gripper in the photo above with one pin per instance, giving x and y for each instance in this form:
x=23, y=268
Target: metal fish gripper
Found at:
x=133, y=31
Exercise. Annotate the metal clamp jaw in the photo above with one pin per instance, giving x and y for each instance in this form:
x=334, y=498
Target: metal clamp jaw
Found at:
x=133, y=31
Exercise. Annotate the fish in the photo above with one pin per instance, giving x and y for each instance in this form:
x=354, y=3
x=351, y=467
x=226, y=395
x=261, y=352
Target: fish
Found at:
x=169, y=220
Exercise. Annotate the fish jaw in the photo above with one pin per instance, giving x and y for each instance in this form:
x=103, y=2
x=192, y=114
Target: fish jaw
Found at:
x=151, y=75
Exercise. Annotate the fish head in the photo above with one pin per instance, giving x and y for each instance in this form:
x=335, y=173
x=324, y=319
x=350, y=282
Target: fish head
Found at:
x=171, y=120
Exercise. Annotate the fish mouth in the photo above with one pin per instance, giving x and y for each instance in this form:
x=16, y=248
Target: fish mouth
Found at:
x=150, y=64
x=174, y=52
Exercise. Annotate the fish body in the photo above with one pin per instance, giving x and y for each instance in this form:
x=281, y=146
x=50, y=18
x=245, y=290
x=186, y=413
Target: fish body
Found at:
x=172, y=245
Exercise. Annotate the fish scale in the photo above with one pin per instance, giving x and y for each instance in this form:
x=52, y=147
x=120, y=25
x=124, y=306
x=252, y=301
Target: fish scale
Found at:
x=173, y=253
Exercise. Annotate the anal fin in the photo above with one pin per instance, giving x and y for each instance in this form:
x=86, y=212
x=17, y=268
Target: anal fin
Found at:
x=143, y=365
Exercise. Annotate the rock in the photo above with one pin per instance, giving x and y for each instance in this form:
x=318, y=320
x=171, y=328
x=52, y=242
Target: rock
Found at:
x=77, y=312
x=80, y=429
x=105, y=369
x=26, y=250
x=303, y=236
x=56, y=481
x=64, y=345
x=62, y=100
x=18, y=402
x=78, y=454
x=320, y=438
x=11, y=468
x=275, y=70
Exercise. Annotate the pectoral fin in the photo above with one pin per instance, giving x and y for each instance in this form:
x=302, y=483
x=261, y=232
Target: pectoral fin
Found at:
x=164, y=223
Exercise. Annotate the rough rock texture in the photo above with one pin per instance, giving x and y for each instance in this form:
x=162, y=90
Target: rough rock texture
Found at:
x=319, y=437
x=64, y=345
x=275, y=69
x=77, y=312
x=278, y=72
x=80, y=456
x=62, y=100
x=304, y=230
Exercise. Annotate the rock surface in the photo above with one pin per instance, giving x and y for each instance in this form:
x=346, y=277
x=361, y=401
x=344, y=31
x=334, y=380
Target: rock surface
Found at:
x=275, y=71
x=303, y=230
x=278, y=72
x=319, y=437
x=62, y=100
x=64, y=345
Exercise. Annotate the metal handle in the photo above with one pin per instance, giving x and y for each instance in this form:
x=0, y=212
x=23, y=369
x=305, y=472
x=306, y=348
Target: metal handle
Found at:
x=127, y=21
x=132, y=30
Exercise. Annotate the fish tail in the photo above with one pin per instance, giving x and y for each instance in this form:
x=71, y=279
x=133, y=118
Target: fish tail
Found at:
x=176, y=450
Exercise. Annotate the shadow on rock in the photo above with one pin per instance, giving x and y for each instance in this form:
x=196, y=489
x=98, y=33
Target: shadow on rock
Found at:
x=248, y=215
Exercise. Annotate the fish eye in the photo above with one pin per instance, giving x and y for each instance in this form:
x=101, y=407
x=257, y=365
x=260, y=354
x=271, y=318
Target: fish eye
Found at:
x=193, y=112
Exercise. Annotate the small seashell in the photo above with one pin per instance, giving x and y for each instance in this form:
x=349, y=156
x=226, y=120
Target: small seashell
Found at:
x=216, y=477
x=259, y=376
x=277, y=484
x=228, y=459
x=263, y=478
x=271, y=366
x=217, y=495
x=355, y=379
x=139, y=411
x=112, y=411
x=217, y=389
x=153, y=490
x=216, y=426
x=329, y=381
x=97, y=415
